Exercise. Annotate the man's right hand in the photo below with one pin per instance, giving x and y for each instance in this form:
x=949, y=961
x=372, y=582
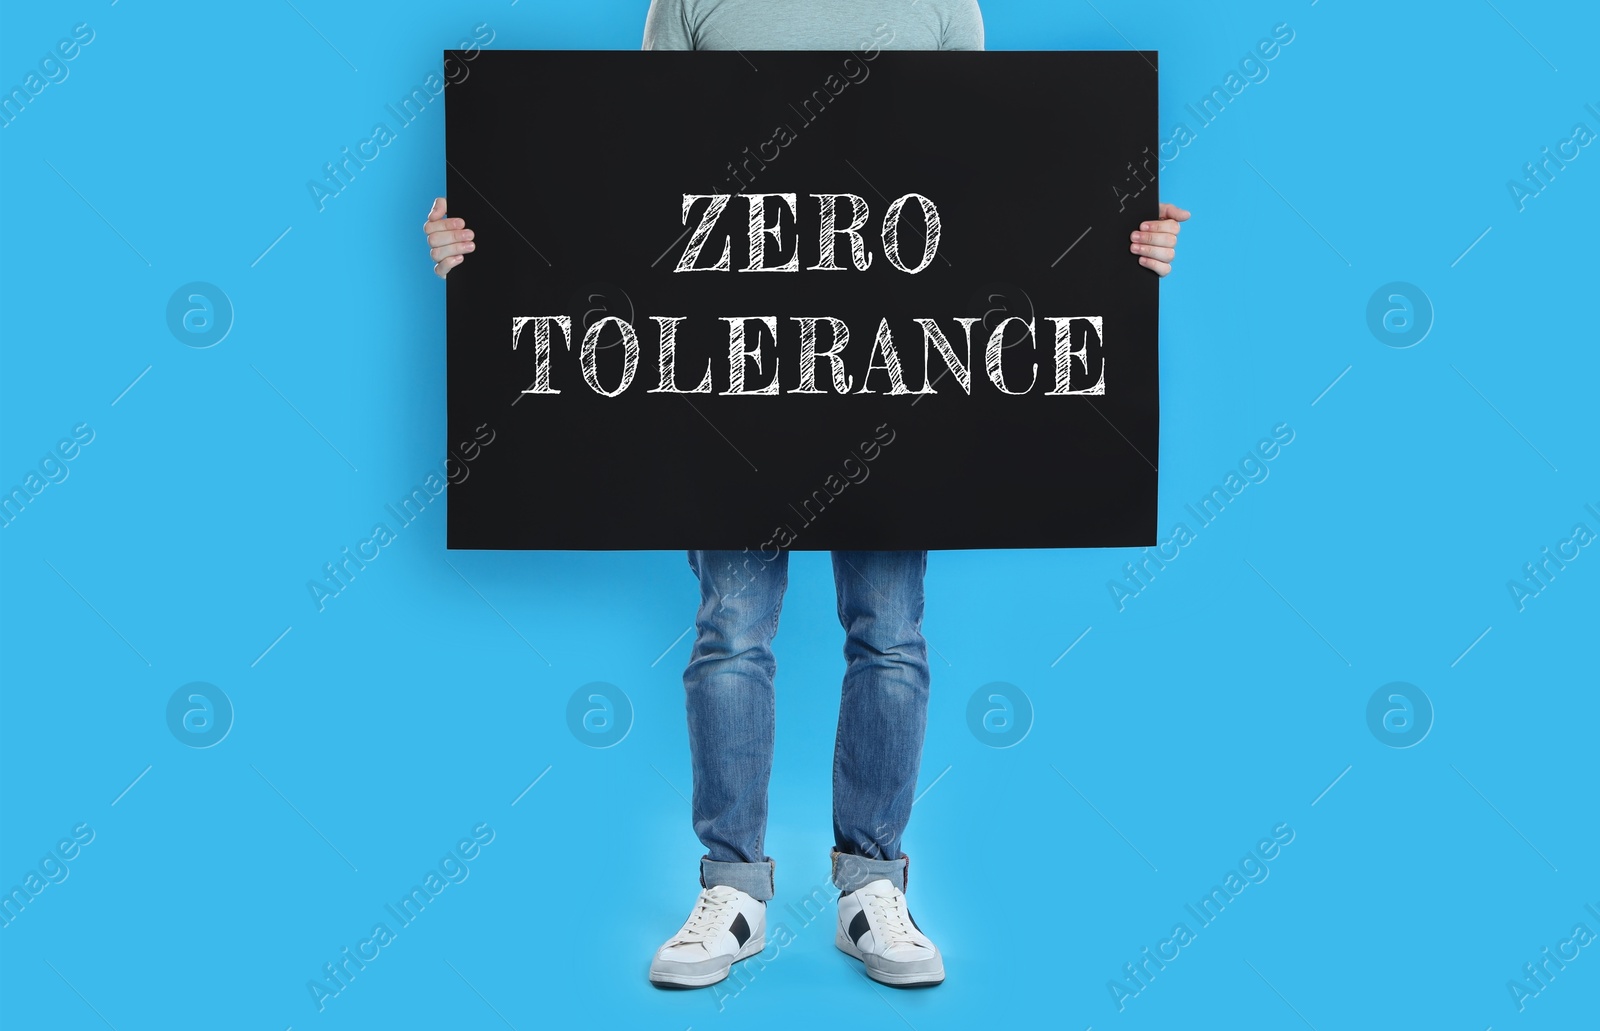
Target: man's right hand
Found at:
x=449, y=239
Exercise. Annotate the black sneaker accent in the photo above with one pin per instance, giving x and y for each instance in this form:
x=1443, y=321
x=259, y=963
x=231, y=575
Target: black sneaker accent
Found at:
x=740, y=930
x=859, y=927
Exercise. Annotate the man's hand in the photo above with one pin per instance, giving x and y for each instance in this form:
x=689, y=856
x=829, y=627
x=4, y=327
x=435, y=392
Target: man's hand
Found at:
x=1155, y=242
x=449, y=239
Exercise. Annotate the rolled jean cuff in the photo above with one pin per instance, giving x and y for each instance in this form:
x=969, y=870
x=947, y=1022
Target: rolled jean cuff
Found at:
x=851, y=873
x=754, y=879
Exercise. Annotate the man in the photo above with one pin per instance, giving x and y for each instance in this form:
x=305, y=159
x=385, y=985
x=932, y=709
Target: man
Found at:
x=729, y=680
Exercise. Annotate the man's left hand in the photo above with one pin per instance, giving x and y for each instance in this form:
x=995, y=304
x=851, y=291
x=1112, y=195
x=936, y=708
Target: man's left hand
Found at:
x=1156, y=242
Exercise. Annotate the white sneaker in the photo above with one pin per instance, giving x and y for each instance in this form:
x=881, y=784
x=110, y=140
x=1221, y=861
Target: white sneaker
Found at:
x=876, y=927
x=726, y=925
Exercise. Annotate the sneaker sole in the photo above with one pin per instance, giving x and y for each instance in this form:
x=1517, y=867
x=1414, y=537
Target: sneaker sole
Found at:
x=921, y=980
x=662, y=979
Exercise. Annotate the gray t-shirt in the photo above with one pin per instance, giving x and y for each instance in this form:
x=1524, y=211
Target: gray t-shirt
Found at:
x=813, y=25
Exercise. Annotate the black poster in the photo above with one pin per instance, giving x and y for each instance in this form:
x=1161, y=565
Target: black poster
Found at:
x=874, y=300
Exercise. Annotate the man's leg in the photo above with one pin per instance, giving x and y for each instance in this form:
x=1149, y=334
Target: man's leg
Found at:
x=729, y=696
x=883, y=712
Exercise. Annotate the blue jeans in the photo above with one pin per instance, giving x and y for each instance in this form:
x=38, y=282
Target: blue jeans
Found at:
x=883, y=712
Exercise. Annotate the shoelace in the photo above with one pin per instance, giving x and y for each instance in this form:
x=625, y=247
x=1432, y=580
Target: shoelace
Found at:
x=894, y=920
x=704, y=923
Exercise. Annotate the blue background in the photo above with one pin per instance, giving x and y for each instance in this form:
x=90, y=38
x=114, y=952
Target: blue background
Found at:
x=1228, y=697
